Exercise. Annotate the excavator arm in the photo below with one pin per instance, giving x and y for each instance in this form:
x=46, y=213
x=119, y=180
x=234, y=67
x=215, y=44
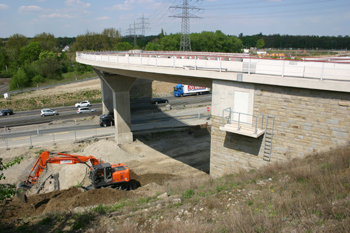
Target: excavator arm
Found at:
x=44, y=159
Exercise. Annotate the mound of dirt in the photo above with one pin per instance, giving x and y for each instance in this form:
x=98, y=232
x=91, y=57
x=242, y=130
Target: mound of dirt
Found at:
x=74, y=197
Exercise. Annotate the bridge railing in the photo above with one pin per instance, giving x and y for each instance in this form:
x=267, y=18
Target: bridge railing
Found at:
x=220, y=62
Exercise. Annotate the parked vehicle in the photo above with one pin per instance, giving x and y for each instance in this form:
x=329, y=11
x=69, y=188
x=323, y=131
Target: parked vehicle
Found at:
x=85, y=110
x=107, y=119
x=84, y=103
x=6, y=111
x=48, y=112
x=183, y=90
x=101, y=175
x=159, y=100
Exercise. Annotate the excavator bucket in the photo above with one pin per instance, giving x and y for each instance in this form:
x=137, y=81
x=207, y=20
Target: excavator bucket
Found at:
x=21, y=190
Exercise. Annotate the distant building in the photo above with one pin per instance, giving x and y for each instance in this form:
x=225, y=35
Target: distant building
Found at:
x=66, y=48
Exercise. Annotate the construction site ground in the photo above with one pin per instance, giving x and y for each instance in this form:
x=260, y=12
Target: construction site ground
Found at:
x=155, y=159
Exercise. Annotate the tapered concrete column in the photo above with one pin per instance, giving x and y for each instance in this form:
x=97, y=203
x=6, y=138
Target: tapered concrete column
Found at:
x=107, y=97
x=120, y=86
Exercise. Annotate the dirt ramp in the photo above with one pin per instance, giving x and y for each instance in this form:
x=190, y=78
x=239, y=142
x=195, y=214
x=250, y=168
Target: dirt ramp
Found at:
x=159, y=178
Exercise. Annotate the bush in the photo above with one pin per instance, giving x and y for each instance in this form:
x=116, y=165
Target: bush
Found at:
x=7, y=191
x=38, y=79
x=188, y=194
x=19, y=80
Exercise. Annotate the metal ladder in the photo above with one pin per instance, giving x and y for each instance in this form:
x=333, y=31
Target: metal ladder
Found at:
x=268, y=137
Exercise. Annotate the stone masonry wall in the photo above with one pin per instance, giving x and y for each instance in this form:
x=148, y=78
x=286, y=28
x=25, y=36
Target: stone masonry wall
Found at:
x=306, y=121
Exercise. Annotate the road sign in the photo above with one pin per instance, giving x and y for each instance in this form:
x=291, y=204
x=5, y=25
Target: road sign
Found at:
x=208, y=109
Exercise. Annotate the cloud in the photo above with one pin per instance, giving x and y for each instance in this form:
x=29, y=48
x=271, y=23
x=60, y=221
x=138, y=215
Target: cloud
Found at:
x=57, y=15
x=3, y=6
x=274, y=0
x=103, y=18
x=24, y=9
x=130, y=4
x=76, y=3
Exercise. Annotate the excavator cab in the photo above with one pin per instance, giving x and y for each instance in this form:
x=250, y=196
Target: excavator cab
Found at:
x=105, y=174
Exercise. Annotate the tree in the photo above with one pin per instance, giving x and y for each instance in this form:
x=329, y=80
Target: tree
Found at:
x=7, y=191
x=48, y=65
x=161, y=35
x=30, y=53
x=16, y=41
x=260, y=43
x=46, y=40
x=215, y=42
x=13, y=47
x=153, y=46
x=19, y=80
x=3, y=62
x=170, y=43
x=123, y=46
x=107, y=40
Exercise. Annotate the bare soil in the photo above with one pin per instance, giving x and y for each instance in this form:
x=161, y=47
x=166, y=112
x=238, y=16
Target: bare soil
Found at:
x=154, y=160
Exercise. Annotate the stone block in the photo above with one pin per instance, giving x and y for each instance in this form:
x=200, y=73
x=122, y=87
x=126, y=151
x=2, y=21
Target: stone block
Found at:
x=333, y=122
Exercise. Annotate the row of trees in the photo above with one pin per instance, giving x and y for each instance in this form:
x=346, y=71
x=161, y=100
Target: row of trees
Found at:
x=288, y=41
x=32, y=61
x=203, y=42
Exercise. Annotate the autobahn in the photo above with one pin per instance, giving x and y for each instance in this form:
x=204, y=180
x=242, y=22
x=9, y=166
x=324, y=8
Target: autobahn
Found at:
x=137, y=107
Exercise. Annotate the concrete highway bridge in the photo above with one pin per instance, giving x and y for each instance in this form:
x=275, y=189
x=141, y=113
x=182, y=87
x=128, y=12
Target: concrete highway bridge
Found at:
x=263, y=110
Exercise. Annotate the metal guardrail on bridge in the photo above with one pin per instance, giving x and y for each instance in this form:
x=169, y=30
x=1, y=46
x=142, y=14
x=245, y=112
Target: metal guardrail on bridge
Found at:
x=225, y=62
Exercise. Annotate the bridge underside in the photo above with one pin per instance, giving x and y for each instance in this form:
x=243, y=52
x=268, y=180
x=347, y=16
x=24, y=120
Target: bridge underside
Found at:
x=306, y=115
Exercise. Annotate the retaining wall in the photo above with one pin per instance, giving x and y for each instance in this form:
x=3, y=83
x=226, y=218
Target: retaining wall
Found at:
x=306, y=121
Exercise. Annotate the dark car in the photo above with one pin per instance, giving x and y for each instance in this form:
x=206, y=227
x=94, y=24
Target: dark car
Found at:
x=6, y=111
x=107, y=119
x=159, y=100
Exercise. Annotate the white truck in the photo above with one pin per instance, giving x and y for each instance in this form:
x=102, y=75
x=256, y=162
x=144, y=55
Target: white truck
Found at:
x=183, y=90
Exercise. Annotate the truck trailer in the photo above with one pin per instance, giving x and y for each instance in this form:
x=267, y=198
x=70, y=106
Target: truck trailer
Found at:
x=184, y=90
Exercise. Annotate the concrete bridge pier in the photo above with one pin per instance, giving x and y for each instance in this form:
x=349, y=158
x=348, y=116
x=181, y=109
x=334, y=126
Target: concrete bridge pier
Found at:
x=107, y=97
x=120, y=87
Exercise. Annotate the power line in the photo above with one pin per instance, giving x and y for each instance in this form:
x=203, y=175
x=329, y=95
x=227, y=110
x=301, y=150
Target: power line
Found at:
x=185, y=43
x=143, y=24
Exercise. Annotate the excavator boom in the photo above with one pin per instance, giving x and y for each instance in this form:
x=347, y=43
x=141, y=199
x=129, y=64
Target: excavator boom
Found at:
x=101, y=174
x=44, y=159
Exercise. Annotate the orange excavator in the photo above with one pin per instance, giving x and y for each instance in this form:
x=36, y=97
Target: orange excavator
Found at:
x=101, y=175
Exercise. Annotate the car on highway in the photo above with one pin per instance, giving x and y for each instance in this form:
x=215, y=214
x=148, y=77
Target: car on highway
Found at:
x=85, y=110
x=6, y=111
x=48, y=112
x=107, y=119
x=159, y=100
x=84, y=103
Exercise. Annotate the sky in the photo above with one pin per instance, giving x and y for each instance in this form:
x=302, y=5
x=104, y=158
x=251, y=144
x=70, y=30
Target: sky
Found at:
x=71, y=18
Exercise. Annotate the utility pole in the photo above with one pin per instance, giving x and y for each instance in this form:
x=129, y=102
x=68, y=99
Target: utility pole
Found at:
x=129, y=30
x=134, y=36
x=185, y=43
x=143, y=24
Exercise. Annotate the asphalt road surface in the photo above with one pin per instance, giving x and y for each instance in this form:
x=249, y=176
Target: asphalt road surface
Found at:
x=141, y=106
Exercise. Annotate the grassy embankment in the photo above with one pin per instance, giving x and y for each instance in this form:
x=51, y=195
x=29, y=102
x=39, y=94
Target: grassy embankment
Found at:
x=21, y=101
x=301, y=195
